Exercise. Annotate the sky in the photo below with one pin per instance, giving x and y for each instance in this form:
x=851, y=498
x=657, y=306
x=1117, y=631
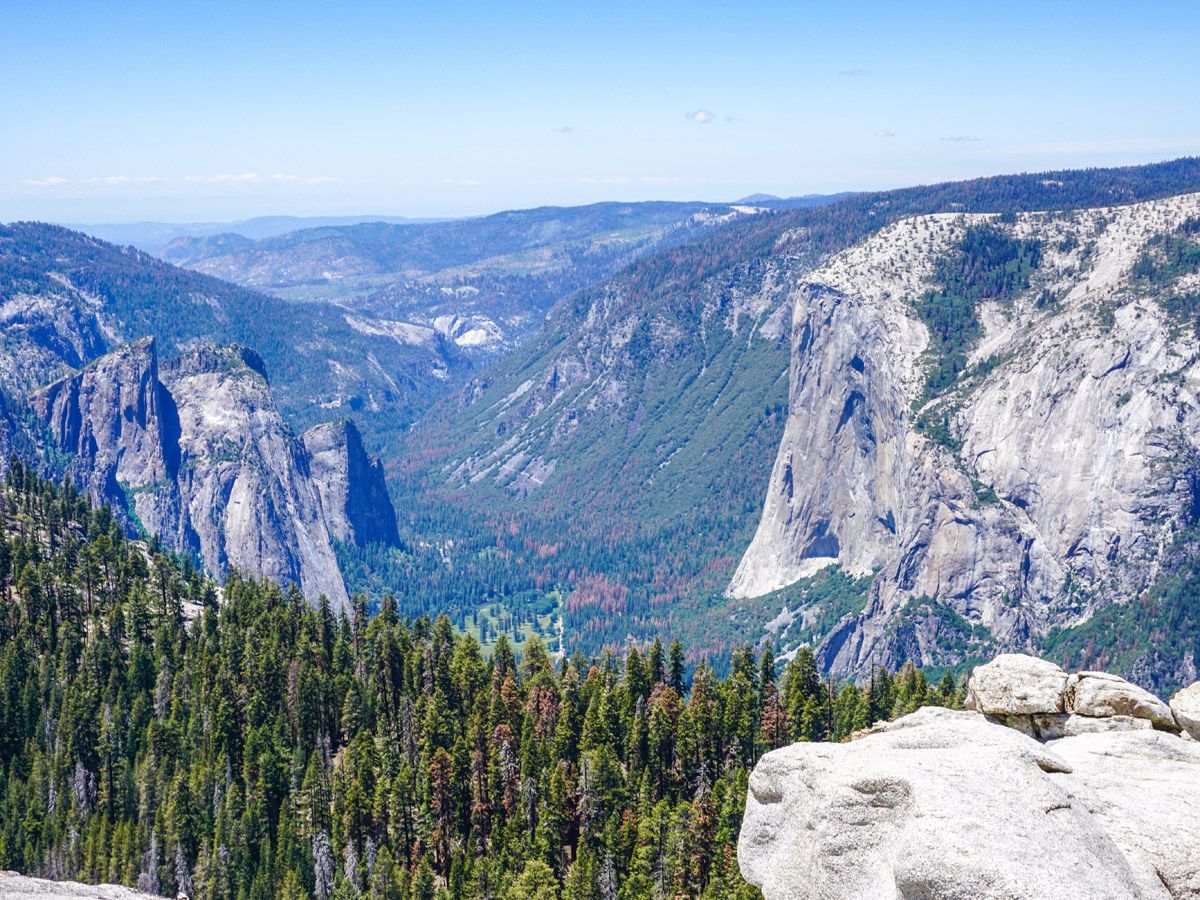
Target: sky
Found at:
x=185, y=112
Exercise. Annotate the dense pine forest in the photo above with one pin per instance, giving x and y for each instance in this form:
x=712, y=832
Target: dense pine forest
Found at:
x=241, y=743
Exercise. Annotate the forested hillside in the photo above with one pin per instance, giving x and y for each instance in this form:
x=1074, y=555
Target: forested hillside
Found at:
x=260, y=747
x=622, y=456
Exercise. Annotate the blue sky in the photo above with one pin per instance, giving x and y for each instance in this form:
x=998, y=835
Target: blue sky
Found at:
x=118, y=111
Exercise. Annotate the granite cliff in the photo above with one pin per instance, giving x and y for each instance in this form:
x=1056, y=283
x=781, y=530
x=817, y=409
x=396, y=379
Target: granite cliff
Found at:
x=1038, y=485
x=196, y=451
x=350, y=485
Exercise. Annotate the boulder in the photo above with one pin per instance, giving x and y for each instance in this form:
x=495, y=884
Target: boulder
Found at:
x=1098, y=694
x=1185, y=705
x=937, y=804
x=1013, y=684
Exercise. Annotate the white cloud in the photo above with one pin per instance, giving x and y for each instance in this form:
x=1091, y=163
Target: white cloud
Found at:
x=853, y=73
x=884, y=133
x=702, y=116
x=128, y=179
x=960, y=138
x=461, y=182
x=247, y=178
x=49, y=181
x=566, y=129
x=230, y=178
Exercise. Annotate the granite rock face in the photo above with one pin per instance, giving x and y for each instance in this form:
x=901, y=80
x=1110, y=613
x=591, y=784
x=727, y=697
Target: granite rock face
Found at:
x=350, y=485
x=196, y=452
x=1065, y=458
x=950, y=805
x=119, y=427
x=22, y=887
x=244, y=478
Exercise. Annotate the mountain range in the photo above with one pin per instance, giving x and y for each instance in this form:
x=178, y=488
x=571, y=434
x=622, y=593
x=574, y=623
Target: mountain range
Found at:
x=154, y=236
x=923, y=424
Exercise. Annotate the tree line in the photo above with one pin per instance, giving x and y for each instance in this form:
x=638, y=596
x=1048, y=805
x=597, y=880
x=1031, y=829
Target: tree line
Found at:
x=241, y=743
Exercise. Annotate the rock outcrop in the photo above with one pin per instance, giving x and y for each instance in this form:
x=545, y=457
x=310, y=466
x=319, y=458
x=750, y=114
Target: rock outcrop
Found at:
x=1017, y=685
x=350, y=485
x=1067, y=460
x=119, y=428
x=951, y=804
x=22, y=887
x=1098, y=694
x=244, y=475
x=198, y=454
x=1040, y=699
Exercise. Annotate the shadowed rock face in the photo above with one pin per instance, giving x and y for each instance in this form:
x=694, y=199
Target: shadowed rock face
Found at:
x=350, y=485
x=1063, y=465
x=198, y=454
x=11, y=433
x=119, y=425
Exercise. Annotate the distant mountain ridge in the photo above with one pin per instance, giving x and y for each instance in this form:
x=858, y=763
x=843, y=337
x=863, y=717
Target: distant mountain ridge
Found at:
x=344, y=259
x=154, y=236
x=456, y=294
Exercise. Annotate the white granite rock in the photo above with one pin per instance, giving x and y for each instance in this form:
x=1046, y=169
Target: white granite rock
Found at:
x=950, y=805
x=1143, y=787
x=22, y=887
x=1185, y=705
x=1100, y=694
x=938, y=804
x=1013, y=684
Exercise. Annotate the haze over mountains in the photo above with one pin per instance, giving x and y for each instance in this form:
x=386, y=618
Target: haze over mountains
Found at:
x=794, y=422
x=154, y=236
